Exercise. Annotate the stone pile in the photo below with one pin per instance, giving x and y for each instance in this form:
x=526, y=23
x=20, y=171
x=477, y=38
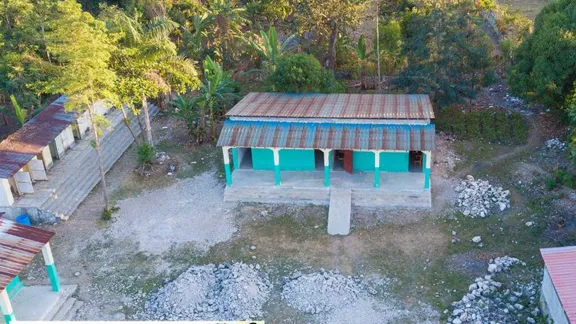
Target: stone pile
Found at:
x=555, y=143
x=321, y=292
x=476, y=197
x=514, y=101
x=224, y=292
x=490, y=301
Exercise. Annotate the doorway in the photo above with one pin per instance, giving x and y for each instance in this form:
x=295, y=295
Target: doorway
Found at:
x=415, y=161
x=343, y=160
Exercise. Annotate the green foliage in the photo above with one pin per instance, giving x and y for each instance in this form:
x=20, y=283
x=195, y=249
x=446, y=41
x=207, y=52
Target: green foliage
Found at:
x=550, y=183
x=448, y=53
x=302, y=73
x=184, y=108
x=270, y=49
x=560, y=177
x=545, y=63
x=485, y=125
x=145, y=153
x=21, y=114
x=391, y=58
x=107, y=213
x=271, y=10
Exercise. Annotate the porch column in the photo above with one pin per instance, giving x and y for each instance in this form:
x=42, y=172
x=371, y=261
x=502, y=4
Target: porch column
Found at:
x=376, y=169
x=51, y=267
x=326, y=167
x=227, y=165
x=6, y=307
x=235, y=159
x=426, y=168
x=276, y=152
x=6, y=197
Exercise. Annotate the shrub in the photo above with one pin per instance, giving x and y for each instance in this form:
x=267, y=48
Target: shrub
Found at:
x=303, y=73
x=564, y=177
x=145, y=153
x=550, y=183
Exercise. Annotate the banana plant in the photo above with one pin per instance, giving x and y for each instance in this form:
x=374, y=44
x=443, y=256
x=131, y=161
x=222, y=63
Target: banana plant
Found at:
x=269, y=49
x=20, y=113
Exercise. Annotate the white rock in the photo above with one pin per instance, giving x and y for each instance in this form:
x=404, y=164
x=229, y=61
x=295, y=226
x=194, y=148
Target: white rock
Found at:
x=477, y=239
x=529, y=224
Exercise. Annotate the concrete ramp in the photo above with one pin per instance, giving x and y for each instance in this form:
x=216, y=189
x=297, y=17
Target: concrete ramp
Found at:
x=339, y=211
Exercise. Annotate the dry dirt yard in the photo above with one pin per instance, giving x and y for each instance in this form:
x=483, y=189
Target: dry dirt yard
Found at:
x=421, y=260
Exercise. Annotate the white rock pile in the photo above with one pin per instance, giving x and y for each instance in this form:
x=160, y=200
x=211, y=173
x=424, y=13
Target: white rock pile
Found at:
x=555, y=143
x=476, y=197
x=208, y=292
x=321, y=292
x=490, y=301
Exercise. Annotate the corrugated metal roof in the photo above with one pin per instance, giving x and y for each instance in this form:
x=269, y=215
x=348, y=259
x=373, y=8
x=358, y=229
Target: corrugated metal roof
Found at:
x=327, y=135
x=561, y=265
x=18, y=246
x=19, y=148
x=349, y=106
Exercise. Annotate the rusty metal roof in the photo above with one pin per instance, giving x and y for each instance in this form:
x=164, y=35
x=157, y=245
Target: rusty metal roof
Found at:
x=19, y=148
x=18, y=246
x=327, y=135
x=561, y=265
x=347, y=106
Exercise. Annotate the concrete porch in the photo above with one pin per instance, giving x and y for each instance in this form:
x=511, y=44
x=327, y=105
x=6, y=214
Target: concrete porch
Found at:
x=397, y=189
x=40, y=303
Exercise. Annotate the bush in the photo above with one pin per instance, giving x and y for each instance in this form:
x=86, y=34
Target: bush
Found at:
x=550, y=184
x=488, y=125
x=565, y=178
x=303, y=73
x=145, y=153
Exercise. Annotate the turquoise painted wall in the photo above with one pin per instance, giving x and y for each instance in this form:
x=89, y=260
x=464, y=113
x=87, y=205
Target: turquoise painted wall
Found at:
x=290, y=160
x=394, y=161
x=297, y=160
x=362, y=161
x=262, y=159
x=389, y=161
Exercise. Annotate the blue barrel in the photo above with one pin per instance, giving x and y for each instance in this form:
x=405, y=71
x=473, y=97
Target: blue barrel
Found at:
x=24, y=220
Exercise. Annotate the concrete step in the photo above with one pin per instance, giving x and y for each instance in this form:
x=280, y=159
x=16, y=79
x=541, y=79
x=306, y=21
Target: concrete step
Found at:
x=316, y=196
x=339, y=211
x=64, y=309
x=402, y=199
x=72, y=313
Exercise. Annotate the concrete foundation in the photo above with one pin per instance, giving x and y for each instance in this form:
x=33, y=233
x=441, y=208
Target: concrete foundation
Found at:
x=39, y=303
x=339, y=212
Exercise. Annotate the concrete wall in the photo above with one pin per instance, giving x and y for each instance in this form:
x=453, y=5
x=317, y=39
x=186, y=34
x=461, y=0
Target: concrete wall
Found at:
x=389, y=161
x=290, y=160
x=550, y=303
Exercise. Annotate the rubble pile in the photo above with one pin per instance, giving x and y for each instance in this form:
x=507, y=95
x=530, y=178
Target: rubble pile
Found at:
x=555, y=143
x=490, y=301
x=208, y=292
x=321, y=292
x=476, y=197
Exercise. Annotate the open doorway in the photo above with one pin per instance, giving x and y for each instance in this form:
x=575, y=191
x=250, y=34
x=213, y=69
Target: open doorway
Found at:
x=416, y=159
x=343, y=161
x=318, y=160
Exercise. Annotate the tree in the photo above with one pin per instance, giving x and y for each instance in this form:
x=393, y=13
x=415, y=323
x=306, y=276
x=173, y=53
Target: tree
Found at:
x=147, y=62
x=270, y=49
x=82, y=49
x=328, y=18
x=228, y=22
x=302, y=73
x=545, y=64
x=216, y=92
x=448, y=55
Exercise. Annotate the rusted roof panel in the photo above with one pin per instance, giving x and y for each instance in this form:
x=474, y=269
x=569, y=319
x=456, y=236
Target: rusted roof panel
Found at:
x=19, y=148
x=346, y=106
x=18, y=246
x=561, y=265
x=327, y=135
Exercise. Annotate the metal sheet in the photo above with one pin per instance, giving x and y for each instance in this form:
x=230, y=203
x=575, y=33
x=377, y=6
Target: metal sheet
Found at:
x=18, y=246
x=327, y=135
x=19, y=148
x=561, y=263
x=348, y=106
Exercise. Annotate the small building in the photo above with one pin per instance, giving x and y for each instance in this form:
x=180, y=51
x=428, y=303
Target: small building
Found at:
x=285, y=147
x=19, y=244
x=558, y=294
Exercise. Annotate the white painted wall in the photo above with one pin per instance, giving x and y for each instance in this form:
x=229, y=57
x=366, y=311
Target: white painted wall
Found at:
x=550, y=303
x=46, y=157
x=6, y=198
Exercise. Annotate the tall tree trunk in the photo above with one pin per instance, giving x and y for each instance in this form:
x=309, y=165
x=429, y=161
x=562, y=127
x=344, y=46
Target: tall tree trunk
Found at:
x=211, y=107
x=127, y=123
x=147, y=121
x=332, y=48
x=203, y=120
x=99, y=154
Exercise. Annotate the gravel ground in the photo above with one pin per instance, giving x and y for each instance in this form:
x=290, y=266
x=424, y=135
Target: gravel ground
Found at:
x=191, y=210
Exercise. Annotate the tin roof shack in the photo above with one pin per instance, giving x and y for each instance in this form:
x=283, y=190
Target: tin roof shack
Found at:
x=558, y=295
x=18, y=246
x=288, y=147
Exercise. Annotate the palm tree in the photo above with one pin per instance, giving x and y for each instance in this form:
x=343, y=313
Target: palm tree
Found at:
x=228, y=23
x=216, y=92
x=269, y=48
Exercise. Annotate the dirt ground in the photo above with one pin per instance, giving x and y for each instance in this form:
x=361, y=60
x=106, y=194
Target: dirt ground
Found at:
x=167, y=223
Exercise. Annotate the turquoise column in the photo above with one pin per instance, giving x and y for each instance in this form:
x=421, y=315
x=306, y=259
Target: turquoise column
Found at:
x=376, y=177
x=227, y=166
x=277, y=174
x=276, y=153
x=235, y=158
x=6, y=307
x=326, y=176
x=426, y=167
x=53, y=276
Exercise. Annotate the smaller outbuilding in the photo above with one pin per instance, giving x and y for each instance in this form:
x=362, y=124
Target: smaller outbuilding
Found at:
x=558, y=296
